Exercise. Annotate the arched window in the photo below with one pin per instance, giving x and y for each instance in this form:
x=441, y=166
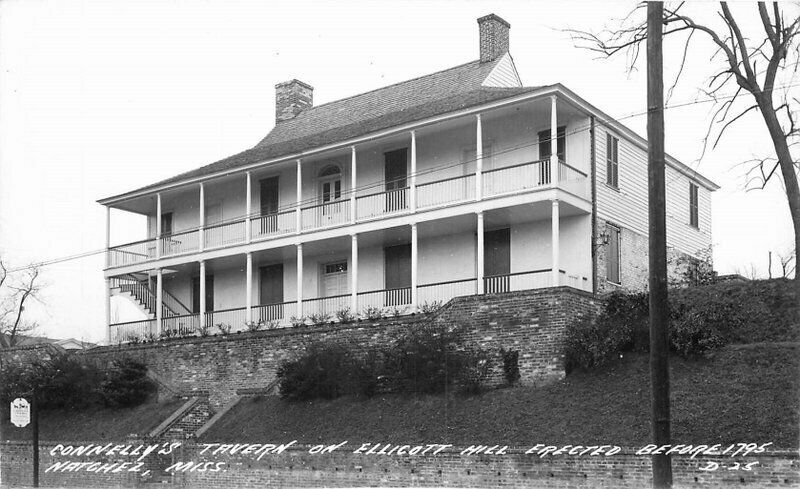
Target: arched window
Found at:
x=330, y=183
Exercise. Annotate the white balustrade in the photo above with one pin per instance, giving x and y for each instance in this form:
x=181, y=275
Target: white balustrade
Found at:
x=273, y=225
x=226, y=234
x=382, y=204
x=326, y=215
x=443, y=192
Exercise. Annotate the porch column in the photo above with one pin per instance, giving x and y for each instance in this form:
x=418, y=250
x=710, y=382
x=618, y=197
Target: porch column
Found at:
x=553, y=141
x=203, y=293
x=159, y=300
x=108, y=311
x=249, y=289
x=300, y=280
x=353, y=185
x=108, y=236
x=478, y=159
x=555, y=243
x=354, y=274
x=414, y=261
x=413, y=187
x=248, y=210
x=158, y=226
x=480, y=253
x=299, y=195
x=201, y=227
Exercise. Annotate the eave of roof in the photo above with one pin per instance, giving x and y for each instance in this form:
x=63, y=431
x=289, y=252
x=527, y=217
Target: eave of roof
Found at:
x=283, y=148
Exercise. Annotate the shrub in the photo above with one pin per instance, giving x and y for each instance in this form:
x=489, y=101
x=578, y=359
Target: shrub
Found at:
x=204, y=330
x=510, y=366
x=319, y=318
x=692, y=335
x=315, y=374
x=297, y=321
x=126, y=385
x=223, y=328
x=426, y=359
x=592, y=342
x=431, y=307
x=345, y=316
x=373, y=313
x=475, y=367
x=253, y=326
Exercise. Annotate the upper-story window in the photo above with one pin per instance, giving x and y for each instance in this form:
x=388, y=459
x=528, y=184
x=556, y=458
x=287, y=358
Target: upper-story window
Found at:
x=693, y=206
x=330, y=184
x=612, y=161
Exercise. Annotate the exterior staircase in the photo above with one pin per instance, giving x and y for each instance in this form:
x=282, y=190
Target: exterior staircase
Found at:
x=137, y=290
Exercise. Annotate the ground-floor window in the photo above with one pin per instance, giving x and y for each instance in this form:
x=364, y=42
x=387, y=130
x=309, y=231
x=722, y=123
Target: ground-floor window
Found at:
x=613, y=255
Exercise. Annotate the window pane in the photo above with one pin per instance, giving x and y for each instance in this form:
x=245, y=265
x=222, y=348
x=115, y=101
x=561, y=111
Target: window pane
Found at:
x=612, y=256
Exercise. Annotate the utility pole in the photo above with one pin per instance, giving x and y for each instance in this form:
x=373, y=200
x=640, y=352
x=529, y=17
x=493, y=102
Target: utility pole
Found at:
x=35, y=427
x=659, y=307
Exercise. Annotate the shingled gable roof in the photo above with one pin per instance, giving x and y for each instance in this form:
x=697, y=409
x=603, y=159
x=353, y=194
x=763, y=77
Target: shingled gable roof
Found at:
x=405, y=102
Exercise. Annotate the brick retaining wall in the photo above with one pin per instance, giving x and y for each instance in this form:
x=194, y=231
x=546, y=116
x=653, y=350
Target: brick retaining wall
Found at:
x=295, y=467
x=531, y=322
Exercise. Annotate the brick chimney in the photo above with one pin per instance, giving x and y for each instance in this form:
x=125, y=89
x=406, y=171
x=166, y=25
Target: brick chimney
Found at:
x=291, y=98
x=494, y=37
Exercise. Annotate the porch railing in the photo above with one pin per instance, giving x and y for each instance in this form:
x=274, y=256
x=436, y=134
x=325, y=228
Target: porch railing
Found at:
x=325, y=215
x=325, y=305
x=382, y=204
x=234, y=319
x=441, y=292
x=384, y=298
x=279, y=313
x=536, y=279
x=183, y=325
x=133, y=331
x=224, y=234
x=176, y=244
x=132, y=253
x=273, y=224
x=449, y=191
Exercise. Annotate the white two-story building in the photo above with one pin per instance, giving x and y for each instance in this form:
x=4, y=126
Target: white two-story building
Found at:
x=459, y=182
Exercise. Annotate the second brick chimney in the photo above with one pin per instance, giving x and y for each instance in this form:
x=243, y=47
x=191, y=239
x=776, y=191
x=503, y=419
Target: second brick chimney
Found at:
x=291, y=98
x=493, y=37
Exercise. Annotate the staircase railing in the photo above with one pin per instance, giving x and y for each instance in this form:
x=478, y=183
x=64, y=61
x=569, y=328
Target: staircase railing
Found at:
x=171, y=306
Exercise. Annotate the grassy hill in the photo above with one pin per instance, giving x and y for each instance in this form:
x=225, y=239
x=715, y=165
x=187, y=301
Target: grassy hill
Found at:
x=93, y=424
x=745, y=392
x=741, y=394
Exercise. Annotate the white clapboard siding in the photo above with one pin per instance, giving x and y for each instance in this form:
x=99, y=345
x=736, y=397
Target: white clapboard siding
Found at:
x=504, y=74
x=627, y=207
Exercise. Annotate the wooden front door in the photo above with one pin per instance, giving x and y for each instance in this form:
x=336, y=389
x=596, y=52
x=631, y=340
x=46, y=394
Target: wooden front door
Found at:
x=497, y=260
x=196, y=294
x=397, y=263
x=396, y=176
x=269, y=204
x=270, y=292
x=271, y=286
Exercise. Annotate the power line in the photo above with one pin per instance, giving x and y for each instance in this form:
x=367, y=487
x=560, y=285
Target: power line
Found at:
x=426, y=171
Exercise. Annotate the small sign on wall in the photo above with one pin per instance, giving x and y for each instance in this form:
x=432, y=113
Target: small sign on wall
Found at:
x=20, y=412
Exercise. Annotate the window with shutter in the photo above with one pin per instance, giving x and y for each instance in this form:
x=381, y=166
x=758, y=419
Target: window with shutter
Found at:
x=613, y=255
x=612, y=161
x=694, y=206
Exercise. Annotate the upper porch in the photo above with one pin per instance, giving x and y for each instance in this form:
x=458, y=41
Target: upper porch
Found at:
x=471, y=163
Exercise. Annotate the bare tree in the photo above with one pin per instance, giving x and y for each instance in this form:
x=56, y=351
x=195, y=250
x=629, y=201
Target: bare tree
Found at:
x=788, y=263
x=16, y=293
x=763, y=67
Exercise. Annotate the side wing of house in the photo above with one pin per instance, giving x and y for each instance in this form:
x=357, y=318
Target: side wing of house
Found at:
x=622, y=212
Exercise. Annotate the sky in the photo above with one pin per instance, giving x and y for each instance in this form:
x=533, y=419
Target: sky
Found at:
x=101, y=97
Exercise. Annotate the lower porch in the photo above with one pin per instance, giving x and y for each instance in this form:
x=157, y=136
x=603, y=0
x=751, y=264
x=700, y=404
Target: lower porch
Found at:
x=388, y=272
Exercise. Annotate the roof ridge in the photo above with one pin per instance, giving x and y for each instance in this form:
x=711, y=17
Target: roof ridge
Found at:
x=478, y=61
